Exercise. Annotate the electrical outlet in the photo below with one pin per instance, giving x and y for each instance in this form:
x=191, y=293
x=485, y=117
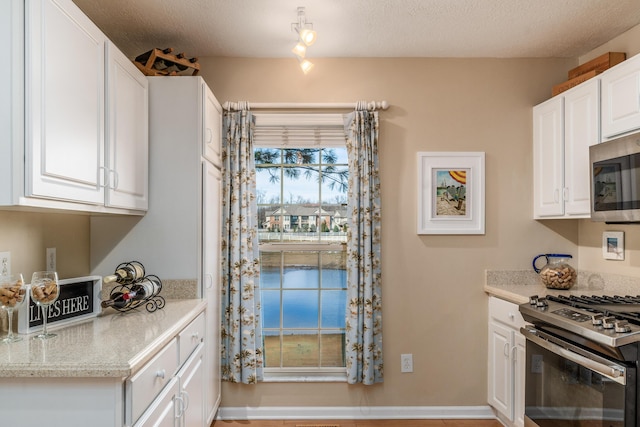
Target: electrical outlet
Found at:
x=51, y=259
x=536, y=363
x=5, y=263
x=406, y=363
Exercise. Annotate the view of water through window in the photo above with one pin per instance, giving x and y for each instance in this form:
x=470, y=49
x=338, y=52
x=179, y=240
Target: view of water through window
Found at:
x=302, y=217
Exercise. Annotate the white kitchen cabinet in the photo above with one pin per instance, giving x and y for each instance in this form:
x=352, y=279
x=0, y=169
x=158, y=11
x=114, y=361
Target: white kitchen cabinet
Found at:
x=211, y=271
x=191, y=379
x=212, y=145
x=621, y=99
x=65, y=103
x=563, y=129
x=127, y=133
x=506, y=362
x=54, y=142
x=179, y=237
x=144, y=380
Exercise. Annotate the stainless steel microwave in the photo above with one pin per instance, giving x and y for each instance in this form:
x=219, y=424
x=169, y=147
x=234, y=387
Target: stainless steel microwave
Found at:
x=615, y=180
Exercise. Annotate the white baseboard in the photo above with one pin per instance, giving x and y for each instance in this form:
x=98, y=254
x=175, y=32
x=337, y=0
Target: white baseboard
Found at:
x=355, y=412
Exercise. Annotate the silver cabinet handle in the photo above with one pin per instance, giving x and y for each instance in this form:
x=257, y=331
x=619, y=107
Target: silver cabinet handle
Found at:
x=161, y=373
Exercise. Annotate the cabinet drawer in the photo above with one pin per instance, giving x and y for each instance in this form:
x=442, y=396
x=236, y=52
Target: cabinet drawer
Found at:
x=505, y=312
x=190, y=337
x=144, y=386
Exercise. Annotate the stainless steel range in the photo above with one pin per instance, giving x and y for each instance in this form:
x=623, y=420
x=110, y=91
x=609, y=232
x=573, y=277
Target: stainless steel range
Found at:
x=582, y=361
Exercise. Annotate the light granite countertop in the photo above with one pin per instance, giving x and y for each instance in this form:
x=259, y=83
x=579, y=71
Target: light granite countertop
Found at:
x=518, y=286
x=113, y=344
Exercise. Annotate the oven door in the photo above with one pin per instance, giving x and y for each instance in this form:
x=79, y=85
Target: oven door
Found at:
x=566, y=385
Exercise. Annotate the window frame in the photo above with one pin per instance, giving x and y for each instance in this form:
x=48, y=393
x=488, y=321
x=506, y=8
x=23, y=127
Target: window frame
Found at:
x=299, y=121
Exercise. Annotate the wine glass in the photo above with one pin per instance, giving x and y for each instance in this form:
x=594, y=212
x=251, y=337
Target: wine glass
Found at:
x=44, y=292
x=13, y=292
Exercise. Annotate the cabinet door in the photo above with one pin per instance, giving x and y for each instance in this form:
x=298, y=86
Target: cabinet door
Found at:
x=127, y=133
x=191, y=383
x=212, y=132
x=211, y=279
x=500, y=369
x=520, y=362
x=162, y=412
x=581, y=121
x=621, y=98
x=65, y=103
x=548, y=158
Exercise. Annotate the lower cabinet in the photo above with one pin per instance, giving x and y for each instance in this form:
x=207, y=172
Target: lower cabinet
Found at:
x=169, y=389
x=506, y=362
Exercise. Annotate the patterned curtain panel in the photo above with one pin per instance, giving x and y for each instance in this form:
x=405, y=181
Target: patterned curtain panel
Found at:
x=241, y=325
x=364, y=307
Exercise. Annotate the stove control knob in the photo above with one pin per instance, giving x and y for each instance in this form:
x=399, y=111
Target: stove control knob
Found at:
x=533, y=300
x=622, y=326
x=542, y=303
x=608, y=322
x=596, y=319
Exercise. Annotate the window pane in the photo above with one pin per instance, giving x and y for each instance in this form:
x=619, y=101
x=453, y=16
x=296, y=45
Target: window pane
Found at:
x=334, y=185
x=334, y=304
x=300, y=185
x=332, y=345
x=269, y=269
x=271, y=349
x=300, y=309
x=335, y=155
x=300, y=349
x=269, y=223
x=268, y=189
x=301, y=156
x=334, y=269
x=270, y=309
x=267, y=156
x=301, y=270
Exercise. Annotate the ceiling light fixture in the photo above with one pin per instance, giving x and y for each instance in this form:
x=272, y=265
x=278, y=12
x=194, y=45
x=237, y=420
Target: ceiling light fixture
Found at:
x=306, y=37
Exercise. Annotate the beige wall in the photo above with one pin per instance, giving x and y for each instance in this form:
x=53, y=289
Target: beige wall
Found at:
x=590, y=233
x=434, y=305
x=27, y=235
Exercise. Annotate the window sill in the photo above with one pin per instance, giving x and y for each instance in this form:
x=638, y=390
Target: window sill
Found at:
x=290, y=377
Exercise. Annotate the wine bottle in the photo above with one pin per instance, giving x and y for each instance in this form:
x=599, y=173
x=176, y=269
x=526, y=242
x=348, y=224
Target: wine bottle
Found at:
x=119, y=300
x=146, y=288
x=126, y=273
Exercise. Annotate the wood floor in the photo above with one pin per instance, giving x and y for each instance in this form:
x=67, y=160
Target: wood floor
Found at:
x=359, y=423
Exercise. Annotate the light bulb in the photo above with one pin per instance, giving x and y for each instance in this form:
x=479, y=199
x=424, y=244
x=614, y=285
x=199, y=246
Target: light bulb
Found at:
x=308, y=36
x=306, y=65
x=300, y=49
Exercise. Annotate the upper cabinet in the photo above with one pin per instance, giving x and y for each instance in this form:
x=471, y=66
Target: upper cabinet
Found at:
x=127, y=133
x=211, y=147
x=76, y=136
x=621, y=99
x=65, y=106
x=563, y=129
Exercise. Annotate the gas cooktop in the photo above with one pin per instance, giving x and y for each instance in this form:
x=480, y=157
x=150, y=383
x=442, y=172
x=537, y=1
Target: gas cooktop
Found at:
x=609, y=320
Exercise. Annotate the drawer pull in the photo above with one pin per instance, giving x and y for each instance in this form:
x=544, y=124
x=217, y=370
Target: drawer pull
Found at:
x=195, y=335
x=161, y=374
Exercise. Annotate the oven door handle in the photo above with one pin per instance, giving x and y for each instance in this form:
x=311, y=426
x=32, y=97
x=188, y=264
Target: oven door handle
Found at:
x=570, y=352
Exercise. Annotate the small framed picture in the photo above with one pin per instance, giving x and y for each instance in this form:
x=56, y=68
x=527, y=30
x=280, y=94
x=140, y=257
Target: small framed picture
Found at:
x=451, y=193
x=613, y=245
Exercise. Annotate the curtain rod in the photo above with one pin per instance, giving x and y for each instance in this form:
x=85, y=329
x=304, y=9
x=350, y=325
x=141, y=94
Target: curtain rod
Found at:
x=373, y=105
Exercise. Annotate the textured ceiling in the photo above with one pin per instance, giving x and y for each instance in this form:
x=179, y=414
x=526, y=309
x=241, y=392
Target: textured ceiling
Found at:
x=366, y=28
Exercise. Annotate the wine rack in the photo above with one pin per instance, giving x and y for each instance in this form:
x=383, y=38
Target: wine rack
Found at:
x=151, y=303
x=132, y=282
x=161, y=62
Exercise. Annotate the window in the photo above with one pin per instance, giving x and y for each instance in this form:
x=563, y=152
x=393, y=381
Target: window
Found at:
x=301, y=197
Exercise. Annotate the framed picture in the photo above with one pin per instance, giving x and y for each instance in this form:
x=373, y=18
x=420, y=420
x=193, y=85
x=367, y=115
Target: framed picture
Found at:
x=613, y=245
x=450, y=193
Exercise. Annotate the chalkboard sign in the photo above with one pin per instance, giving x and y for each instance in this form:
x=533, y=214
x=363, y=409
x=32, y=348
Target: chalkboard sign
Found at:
x=79, y=299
